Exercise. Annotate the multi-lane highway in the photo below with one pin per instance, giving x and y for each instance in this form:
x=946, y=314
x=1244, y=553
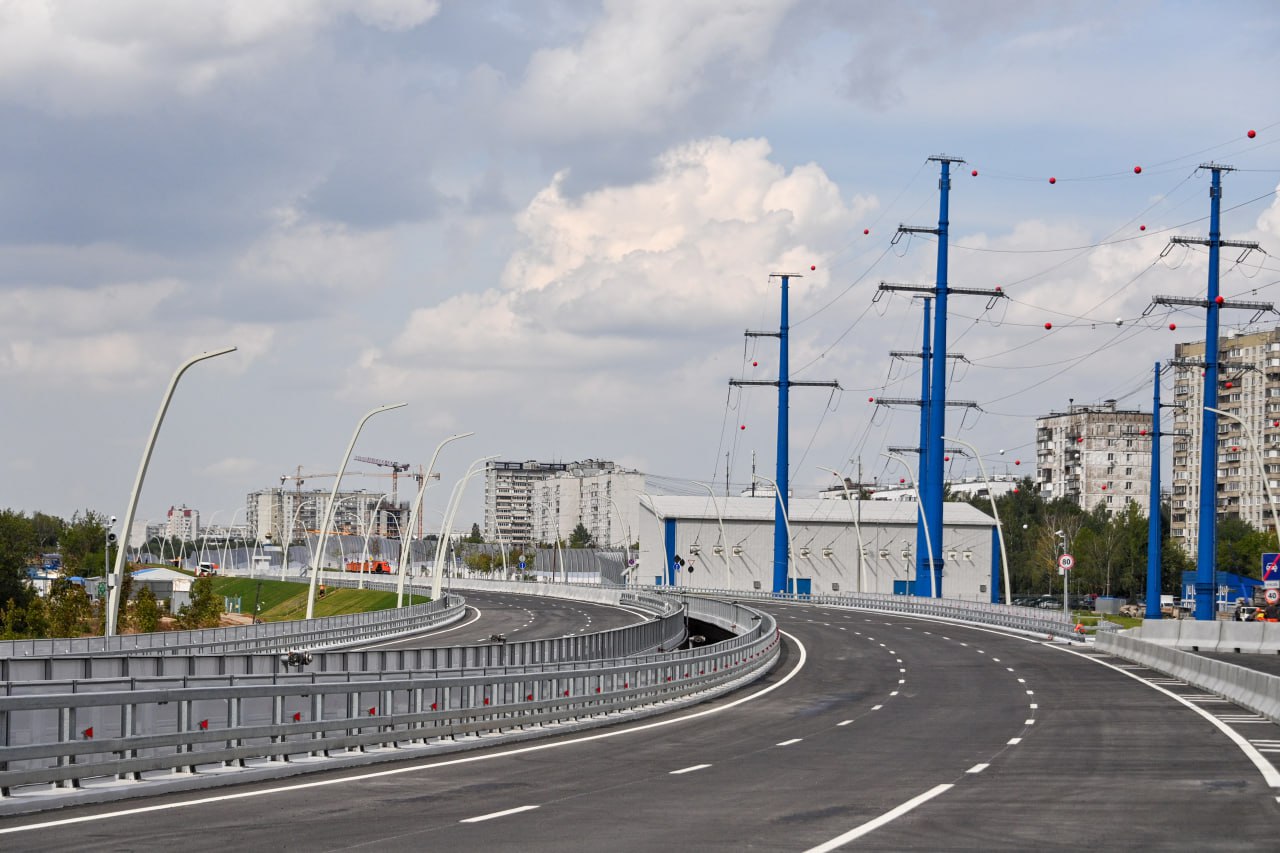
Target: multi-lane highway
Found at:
x=876, y=732
x=518, y=618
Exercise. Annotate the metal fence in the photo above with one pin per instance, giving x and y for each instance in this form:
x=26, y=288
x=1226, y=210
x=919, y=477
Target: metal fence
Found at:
x=1027, y=619
x=61, y=733
x=265, y=637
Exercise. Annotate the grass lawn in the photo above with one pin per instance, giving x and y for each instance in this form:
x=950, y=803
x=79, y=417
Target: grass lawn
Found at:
x=285, y=600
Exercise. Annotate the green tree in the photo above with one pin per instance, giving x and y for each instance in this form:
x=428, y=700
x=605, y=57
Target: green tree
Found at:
x=18, y=546
x=475, y=538
x=146, y=611
x=83, y=543
x=204, y=610
x=581, y=537
x=480, y=562
x=1241, y=546
x=70, y=613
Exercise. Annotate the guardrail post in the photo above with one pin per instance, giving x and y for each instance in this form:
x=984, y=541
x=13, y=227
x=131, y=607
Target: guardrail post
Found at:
x=233, y=723
x=317, y=716
x=67, y=735
x=128, y=728
x=184, y=730
x=277, y=719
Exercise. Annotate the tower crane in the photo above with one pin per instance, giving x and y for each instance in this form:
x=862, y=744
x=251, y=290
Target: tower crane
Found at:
x=396, y=468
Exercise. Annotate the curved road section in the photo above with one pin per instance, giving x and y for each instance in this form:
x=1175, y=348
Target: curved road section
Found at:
x=518, y=618
x=874, y=732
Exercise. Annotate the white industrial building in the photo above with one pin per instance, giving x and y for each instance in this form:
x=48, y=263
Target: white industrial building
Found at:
x=825, y=556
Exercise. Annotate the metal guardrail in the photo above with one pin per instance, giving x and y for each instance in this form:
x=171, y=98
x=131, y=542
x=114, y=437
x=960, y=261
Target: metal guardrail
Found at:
x=262, y=638
x=1026, y=619
x=129, y=726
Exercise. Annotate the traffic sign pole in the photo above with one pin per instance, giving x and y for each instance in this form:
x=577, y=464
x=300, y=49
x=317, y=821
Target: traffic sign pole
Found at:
x=1065, y=562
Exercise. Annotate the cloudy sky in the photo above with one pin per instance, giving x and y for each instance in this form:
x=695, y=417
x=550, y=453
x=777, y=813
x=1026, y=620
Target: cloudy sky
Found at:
x=551, y=222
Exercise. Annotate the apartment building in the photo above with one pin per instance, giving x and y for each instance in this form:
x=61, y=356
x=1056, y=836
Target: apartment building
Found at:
x=1249, y=388
x=1095, y=454
x=281, y=511
x=529, y=502
x=182, y=523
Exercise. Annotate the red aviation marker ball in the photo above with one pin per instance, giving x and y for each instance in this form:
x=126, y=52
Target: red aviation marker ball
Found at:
x=1053, y=180
x=1142, y=432
x=1173, y=326
x=1252, y=134
x=1017, y=462
x=902, y=479
x=1080, y=439
x=866, y=230
x=974, y=173
x=1142, y=228
x=813, y=266
x=1137, y=170
x=1219, y=300
x=744, y=426
x=1104, y=487
x=755, y=364
x=1048, y=325
x=871, y=399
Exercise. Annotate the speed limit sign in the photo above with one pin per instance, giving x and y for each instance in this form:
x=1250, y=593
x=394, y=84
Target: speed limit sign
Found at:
x=1272, y=596
x=1065, y=562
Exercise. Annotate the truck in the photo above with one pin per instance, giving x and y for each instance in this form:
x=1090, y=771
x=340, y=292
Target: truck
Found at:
x=373, y=567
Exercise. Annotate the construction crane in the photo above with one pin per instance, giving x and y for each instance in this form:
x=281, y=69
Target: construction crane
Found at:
x=396, y=468
x=299, y=478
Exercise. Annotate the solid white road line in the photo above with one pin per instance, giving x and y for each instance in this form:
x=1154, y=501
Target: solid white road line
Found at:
x=689, y=769
x=497, y=814
x=431, y=765
x=462, y=624
x=872, y=825
x=1269, y=773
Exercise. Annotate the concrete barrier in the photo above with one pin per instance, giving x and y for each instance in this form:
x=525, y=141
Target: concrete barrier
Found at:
x=1255, y=691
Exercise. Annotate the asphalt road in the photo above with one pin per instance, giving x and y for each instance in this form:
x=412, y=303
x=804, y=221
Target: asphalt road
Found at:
x=878, y=732
x=519, y=618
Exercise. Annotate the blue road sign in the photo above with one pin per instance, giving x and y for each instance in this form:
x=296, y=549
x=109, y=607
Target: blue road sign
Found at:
x=522, y=564
x=1270, y=567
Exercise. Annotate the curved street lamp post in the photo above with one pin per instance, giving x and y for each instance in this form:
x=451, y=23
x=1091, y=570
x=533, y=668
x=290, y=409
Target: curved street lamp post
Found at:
x=318, y=556
x=116, y=580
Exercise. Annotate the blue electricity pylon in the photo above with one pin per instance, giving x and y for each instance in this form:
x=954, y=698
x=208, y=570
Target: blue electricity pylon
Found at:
x=1207, y=529
x=784, y=383
x=936, y=403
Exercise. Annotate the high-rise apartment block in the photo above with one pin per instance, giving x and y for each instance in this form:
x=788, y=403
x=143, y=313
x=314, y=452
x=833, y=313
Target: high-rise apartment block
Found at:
x=182, y=523
x=1095, y=455
x=290, y=514
x=1249, y=388
x=530, y=502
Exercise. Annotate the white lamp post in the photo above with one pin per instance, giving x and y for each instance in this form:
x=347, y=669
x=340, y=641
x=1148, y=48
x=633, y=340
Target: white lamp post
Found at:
x=1257, y=457
x=226, y=540
x=857, y=528
x=724, y=540
x=117, y=576
x=406, y=542
x=204, y=540
x=328, y=515
x=454, y=500
x=1004, y=555
x=626, y=545
x=791, y=545
x=928, y=540
x=364, y=553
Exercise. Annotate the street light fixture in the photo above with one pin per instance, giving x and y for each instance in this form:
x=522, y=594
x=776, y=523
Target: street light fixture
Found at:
x=452, y=509
x=328, y=515
x=857, y=528
x=406, y=542
x=364, y=552
x=117, y=577
x=1004, y=554
x=1257, y=457
x=724, y=540
x=924, y=522
x=777, y=496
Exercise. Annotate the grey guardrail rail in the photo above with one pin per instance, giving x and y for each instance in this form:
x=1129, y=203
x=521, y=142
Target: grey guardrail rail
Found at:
x=1028, y=620
x=265, y=637
x=86, y=737
x=1257, y=691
